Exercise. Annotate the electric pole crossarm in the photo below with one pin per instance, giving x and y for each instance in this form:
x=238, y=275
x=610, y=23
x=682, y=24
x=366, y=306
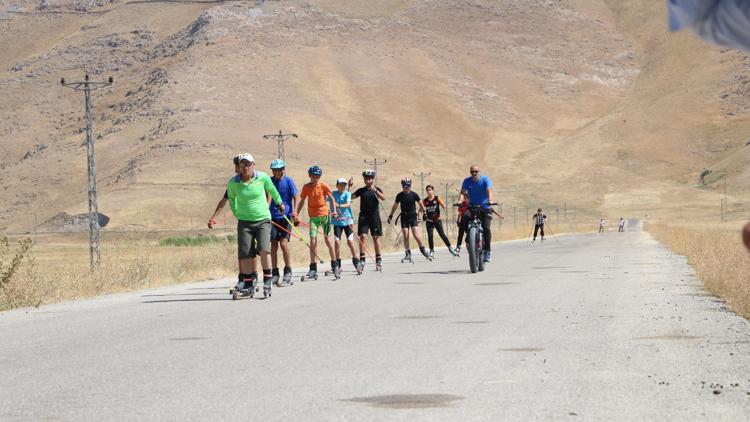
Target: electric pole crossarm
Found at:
x=374, y=163
x=280, y=138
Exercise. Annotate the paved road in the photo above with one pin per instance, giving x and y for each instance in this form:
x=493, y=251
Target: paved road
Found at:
x=592, y=327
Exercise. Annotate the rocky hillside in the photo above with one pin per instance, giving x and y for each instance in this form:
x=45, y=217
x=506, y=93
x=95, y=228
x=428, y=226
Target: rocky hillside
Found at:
x=588, y=102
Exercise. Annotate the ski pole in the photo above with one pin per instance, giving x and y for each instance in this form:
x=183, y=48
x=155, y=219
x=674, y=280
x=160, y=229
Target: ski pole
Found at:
x=553, y=234
x=299, y=236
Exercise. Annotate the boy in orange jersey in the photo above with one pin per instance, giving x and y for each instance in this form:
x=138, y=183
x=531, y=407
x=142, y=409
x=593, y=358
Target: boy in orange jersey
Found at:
x=319, y=195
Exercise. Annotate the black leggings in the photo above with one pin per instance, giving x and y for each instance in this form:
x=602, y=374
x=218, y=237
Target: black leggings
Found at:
x=536, y=229
x=461, y=232
x=437, y=225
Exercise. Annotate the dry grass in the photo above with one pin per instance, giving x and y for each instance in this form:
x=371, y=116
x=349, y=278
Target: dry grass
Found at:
x=54, y=268
x=718, y=258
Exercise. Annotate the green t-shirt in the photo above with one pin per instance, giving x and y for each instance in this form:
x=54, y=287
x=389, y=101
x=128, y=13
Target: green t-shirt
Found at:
x=248, y=200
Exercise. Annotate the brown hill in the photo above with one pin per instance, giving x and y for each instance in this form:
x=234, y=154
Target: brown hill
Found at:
x=588, y=102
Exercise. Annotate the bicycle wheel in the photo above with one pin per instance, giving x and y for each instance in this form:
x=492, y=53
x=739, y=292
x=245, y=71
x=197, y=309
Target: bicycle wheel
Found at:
x=480, y=250
x=471, y=248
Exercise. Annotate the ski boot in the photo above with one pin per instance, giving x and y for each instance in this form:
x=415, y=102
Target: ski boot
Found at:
x=458, y=250
x=333, y=271
x=407, y=257
x=432, y=255
x=355, y=263
x=267, y=283
x=247, y=286
x=337, y=271
x=288, y=280
x=275, y=279
x=425, y=254
x=378, y=264
x=453, y=252
x=312, y=274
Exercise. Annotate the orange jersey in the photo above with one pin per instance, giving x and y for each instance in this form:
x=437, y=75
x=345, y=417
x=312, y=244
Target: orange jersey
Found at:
x=316, y=195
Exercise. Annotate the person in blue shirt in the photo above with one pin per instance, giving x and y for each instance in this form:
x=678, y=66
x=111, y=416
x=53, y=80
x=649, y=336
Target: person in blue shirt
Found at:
x=478, y=190
x=280, y=229
x=343, y=223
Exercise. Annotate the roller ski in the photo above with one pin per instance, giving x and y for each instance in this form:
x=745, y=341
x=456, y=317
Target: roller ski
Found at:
x=379, y=264
x=311, y=275
x=267, y=283
x=246, y=286
x=275, y=278
x=335, y=271
x=425, y=254
x=407, y=257
x=359, y=266
x=453, y=252
x=287, y=279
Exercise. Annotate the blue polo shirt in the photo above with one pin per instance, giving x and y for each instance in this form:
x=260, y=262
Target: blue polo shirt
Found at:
x=477, y=191
x=288, y=191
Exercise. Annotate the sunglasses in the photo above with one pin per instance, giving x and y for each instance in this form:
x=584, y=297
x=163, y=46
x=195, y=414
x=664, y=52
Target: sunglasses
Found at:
x=475, y=172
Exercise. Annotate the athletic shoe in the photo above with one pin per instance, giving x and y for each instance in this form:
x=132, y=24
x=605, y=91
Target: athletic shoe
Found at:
x=487, y=256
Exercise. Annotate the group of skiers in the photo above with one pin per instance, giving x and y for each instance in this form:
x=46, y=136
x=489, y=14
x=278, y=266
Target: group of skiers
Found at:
x=268, y=208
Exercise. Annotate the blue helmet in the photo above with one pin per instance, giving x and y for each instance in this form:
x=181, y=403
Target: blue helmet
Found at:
x=406, y=182
x=277, y=164
x=315, y=171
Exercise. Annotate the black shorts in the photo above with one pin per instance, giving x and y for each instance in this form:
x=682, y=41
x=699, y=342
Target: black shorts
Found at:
x=370, y=223
x=337, y=230
x=278, y=234
x=409, y=220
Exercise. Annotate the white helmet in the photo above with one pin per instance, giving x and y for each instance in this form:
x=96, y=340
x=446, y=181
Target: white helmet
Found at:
x=245, y=156
x=341, y=181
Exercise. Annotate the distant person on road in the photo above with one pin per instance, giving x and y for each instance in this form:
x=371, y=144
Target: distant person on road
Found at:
x=247, y=199
x=408, y=200
x=281, y=226
x=478, y=190
x=621, y=228
x=220, y=207
x=369, y=217
x=721, y=22
x=539, y=220
x=343, y=225
x=432, y=204
x=602, y=224
x=320, y=196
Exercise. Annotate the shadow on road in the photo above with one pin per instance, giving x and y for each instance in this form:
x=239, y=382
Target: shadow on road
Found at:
x=188, y=300
x=182, y=294
x=436, y=272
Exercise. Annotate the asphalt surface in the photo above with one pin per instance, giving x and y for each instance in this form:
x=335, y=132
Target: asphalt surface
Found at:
x=585, y=327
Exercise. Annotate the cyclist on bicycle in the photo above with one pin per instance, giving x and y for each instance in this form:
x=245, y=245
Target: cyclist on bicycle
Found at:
x=478, y=190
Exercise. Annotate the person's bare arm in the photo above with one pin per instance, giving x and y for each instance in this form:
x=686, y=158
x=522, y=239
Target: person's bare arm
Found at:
x=219, y=207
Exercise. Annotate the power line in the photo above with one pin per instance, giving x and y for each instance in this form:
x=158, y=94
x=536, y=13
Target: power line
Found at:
x=280, y=138
x=94, y=239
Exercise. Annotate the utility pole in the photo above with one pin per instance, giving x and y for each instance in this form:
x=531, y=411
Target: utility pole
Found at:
x=94, y=240
x=449, y=204
x=280, y=138
x=421, y=176
x=374, y=163
x=724, y=201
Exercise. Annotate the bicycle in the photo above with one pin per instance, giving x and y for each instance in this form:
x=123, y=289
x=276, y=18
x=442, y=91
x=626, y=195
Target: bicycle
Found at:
x=474, y=236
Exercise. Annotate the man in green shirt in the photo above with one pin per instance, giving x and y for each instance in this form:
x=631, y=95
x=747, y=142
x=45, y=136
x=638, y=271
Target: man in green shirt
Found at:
x=247, y=199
